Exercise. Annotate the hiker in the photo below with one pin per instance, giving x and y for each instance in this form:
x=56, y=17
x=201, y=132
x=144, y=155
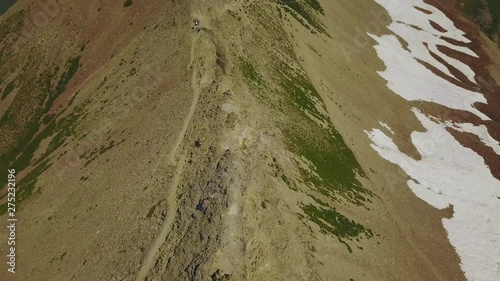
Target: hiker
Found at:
x=196, y=24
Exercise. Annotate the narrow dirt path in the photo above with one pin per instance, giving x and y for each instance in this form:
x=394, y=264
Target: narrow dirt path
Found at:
x=192, y=108
x=151, y=257
x=175, y=157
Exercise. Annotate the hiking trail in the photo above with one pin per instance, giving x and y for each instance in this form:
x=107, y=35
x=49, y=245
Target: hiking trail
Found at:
x=151, y=257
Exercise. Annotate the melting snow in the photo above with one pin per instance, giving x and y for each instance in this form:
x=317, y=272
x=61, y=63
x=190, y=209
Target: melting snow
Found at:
x=480, y=131
x=448, y=173
x=452, y=174
x=387, y=127
x=410, y=79
x=405, y=16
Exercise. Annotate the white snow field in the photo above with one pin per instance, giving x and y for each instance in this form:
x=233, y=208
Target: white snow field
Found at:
x=448, y=173
x=405, y=75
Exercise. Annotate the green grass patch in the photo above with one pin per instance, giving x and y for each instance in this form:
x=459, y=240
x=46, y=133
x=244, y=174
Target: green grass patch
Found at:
x=73, y=66
x=12, y=25
x=151, y=211
x=7, y=116
x=60, y=130
x=301, y=91
x=333, y=163
x=303, y=13
x=250, y=72
x=101, y=150
x=27, y=184
x=332, y=222
x=11, y=34
x=332, y=175
x=8, y=89
x=128, y=3
x=19, y=156
x=315, y=5
x=333, y=168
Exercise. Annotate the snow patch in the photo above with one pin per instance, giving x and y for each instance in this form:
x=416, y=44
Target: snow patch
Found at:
x=411, y=80
x=387, y=127
x=480, y=131
x=406, y=75
x=450, y=174
x=405, y=15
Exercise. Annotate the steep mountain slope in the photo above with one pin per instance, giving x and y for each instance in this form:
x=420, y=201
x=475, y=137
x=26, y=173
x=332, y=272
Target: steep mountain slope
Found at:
x=97, y=148
x=253, y=149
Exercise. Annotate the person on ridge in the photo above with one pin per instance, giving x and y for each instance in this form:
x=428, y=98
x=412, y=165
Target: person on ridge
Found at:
x=196, y=25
